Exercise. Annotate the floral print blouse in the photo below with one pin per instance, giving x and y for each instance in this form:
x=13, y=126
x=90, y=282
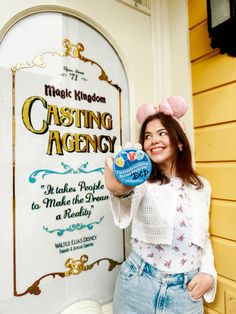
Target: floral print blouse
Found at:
x=181, y=255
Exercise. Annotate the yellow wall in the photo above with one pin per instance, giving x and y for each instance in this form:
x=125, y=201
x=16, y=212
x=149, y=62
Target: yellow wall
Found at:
x=214, y=109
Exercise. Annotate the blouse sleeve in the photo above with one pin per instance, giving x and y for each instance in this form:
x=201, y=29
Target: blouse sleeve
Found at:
x=207, y=266
x=207, y=259
x=123, y=208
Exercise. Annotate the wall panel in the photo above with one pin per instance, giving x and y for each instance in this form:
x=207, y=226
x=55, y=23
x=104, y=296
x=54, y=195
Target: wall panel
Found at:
x=199, y=42
x=222, y=177
x=214, y=110
x=215, y=143
x=224, y=287
x=213, y=72
x=197, y=11
x=215, y=106
x=225, y=257
x=223, y=218
x=209, y=311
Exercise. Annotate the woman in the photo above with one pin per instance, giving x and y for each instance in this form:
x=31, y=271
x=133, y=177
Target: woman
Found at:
x=171, y=266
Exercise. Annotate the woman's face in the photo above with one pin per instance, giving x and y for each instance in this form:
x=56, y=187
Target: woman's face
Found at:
x=157, y=145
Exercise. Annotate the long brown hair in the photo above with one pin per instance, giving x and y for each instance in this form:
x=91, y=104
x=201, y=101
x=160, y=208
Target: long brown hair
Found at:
x=182, y=160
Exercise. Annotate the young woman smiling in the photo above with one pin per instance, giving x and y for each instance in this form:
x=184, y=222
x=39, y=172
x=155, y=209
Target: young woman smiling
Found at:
x=171, y=266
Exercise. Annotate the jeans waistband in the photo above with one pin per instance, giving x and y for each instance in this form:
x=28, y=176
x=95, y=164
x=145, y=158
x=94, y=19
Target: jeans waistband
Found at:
x=164, y=277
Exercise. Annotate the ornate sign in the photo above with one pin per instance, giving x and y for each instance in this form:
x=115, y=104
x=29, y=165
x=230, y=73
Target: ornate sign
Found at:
x=66, y=116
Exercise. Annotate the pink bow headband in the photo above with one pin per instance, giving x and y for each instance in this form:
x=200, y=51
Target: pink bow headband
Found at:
x=174, y=106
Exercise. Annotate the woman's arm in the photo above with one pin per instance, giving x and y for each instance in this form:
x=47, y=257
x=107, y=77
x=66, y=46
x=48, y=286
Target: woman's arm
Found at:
x=122, y=196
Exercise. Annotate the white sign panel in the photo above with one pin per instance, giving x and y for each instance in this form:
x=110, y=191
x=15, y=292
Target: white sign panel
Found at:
x=63, y=97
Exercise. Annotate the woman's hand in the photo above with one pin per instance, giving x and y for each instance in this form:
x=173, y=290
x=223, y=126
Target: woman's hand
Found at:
x=112, y=184
x=199, y=285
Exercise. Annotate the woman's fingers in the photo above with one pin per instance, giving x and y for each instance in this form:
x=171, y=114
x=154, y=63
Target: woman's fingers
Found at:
x=111, y=182
x=128, y=145
x=109, y=162
x=138, y=145
x=117, y=149
x=200, y=284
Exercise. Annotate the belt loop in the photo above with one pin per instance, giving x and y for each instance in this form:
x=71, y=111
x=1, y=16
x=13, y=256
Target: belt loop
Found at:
x=185, y=283
x=141, y=268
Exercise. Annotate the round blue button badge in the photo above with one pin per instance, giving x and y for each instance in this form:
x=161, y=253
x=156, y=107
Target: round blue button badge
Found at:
x=132, y=166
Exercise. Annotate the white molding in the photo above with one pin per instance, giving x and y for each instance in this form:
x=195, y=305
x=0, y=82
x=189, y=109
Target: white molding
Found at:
x=137, y=6
x=161, y=49
x=172, y=68
x=180, y=58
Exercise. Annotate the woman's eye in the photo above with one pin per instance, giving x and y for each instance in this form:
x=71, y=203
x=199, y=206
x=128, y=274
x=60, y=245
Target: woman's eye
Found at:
x=147, y=137
x=163, y=133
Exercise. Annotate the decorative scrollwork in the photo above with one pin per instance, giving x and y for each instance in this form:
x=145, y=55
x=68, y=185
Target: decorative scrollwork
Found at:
x=68, y=170
x=37, y=61
x=71, y=50
x=73, y=227
x=34, y=288
x=77, y=266
x=74, y=51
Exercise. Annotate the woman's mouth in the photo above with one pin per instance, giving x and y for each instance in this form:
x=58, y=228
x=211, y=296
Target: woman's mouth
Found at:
x=157, y=149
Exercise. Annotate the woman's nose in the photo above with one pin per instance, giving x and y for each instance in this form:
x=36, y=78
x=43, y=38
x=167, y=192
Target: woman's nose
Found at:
x=155, y=139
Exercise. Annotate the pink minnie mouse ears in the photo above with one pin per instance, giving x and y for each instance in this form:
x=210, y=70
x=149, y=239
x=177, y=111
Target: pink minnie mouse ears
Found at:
x=174, y=106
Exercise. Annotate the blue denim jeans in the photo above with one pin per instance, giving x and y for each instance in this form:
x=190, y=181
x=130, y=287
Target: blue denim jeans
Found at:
x=143, y=289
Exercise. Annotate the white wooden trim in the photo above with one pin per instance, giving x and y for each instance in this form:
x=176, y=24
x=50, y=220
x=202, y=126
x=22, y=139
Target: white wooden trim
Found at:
x=171, y=61
x=138, y=6
x=161, y=49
